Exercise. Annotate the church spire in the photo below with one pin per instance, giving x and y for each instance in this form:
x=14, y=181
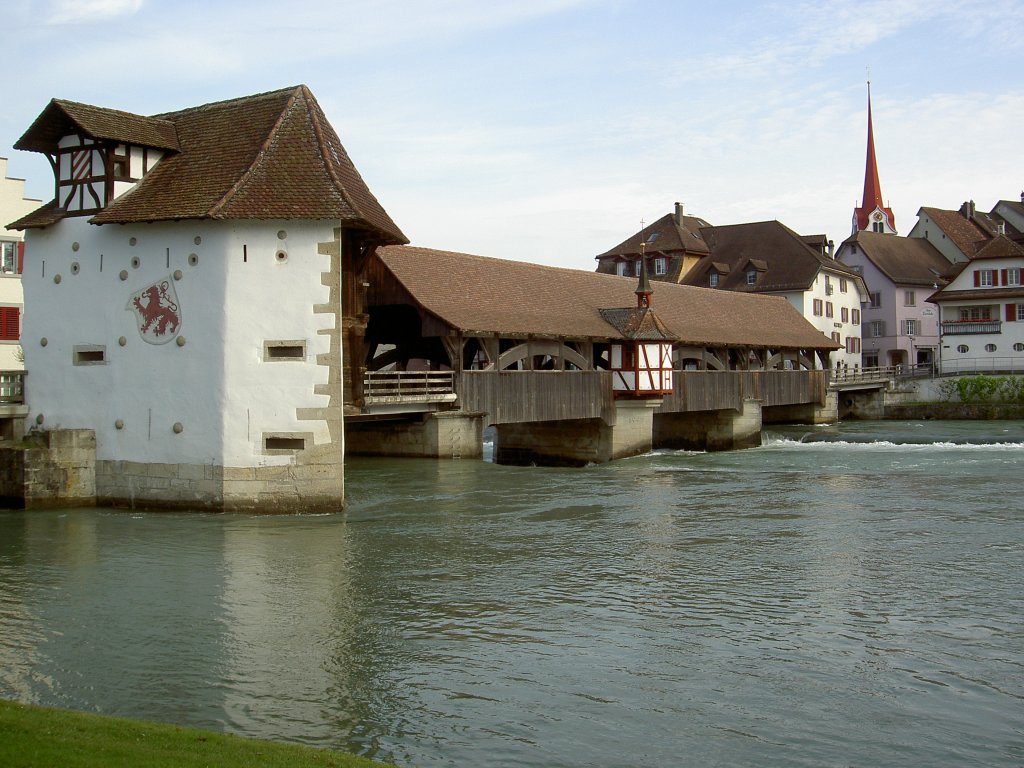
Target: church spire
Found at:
x=872, y=213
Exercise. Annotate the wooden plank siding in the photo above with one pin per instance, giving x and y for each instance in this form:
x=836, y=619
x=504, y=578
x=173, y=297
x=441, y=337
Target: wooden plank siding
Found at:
x=718, y=390
x=510, y=397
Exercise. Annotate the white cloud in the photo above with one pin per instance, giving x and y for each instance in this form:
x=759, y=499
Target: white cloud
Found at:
x=83, y=11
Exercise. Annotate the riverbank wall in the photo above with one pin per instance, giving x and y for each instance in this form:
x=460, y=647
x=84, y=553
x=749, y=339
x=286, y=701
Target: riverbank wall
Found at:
x=935, y=399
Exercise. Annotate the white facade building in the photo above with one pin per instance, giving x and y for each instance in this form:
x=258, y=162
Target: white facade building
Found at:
x=13, y=205
x=981, y=312
x=183, y=295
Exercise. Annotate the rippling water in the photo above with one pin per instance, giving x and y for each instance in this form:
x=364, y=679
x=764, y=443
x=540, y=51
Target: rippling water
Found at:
x=840, y=596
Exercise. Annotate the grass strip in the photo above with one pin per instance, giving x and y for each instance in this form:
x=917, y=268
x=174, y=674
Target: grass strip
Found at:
x=38, y=737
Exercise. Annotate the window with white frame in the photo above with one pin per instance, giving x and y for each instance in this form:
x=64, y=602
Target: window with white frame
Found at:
x=1013, y=276
x=621, y=267
x=8, y=257
x=875, y=300
x=1020, y=311
x=818, y=305
x=660, y=265
x=911, y=327
x=876, y=329
x=985, y=278
x=751, y=276
x=909, y=299
x=713, y=279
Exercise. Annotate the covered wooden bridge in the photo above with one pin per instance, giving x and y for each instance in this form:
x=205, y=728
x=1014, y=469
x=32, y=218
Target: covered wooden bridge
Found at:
x=455, y=342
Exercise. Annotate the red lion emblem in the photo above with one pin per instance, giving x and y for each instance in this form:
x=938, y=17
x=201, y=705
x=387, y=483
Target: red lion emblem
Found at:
x=156, y=310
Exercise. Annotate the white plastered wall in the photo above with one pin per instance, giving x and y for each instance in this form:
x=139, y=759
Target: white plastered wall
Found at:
x=234, y=294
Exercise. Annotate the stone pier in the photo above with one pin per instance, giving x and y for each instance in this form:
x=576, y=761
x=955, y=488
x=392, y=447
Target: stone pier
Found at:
x=722, y=430
x=443, y=435
x=577, y=442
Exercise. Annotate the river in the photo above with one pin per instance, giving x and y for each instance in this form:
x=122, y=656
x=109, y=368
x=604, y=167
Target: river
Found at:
x=842, y=596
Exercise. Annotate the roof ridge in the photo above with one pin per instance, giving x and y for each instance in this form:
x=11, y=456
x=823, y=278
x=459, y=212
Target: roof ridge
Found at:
x=260, y=154
x=226, y=102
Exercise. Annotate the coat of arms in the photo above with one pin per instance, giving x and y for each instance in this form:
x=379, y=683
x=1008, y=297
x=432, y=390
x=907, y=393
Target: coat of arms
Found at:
x=157, y=313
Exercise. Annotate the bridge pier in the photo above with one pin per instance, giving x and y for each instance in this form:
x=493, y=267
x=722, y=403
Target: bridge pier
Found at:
x=577, y=442
x=440, y=435
x=721, y=430
x=805, y=413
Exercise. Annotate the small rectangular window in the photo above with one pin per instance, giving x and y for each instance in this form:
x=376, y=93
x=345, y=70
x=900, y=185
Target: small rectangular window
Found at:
x=876, y=300
x=909, y=299
x=818, y=304
x=842, y=285
x=660, y=265
x=89, y=354
x=284, y=349
x=828, y=309
x=278, y=443
x=844, y=314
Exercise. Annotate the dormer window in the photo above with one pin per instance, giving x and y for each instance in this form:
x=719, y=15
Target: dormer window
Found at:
x=713, y=279
x=620, y=268
x=660, y=265
x=751, y=276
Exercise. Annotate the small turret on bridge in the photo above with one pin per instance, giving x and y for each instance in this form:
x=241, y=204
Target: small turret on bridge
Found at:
x=568, y=366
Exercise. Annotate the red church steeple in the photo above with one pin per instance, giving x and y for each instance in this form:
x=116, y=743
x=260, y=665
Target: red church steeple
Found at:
x=873, y=213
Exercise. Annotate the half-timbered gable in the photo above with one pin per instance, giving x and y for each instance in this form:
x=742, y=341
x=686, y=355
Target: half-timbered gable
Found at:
x=97, y=154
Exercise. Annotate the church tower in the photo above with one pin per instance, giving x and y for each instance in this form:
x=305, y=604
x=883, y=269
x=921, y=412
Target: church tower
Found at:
x=872, y=215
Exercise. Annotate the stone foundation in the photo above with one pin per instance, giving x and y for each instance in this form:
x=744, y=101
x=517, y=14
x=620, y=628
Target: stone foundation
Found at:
x=724, y=430
x=578, y=442
x=310, y=486
x=52, y=469
x=444, y=435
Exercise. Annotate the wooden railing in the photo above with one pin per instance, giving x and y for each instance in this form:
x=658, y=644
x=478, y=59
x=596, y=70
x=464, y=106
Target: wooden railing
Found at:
x=12, y=386
x=408, y=387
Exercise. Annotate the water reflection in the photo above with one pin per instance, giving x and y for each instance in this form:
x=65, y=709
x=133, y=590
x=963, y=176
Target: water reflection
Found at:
x=794, y=605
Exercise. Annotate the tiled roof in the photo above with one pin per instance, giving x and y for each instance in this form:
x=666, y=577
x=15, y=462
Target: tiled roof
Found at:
x=966, y=234
x=1000, y=247
x=62, y=117
x=789, y=263
x=904, y=260
x=268, y=156
x=665, y=235
x=475, y=294
x=977, y=293
x=637, y=323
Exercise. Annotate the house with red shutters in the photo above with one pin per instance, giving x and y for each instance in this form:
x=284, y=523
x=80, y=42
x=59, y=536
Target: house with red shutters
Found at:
x=981, y=311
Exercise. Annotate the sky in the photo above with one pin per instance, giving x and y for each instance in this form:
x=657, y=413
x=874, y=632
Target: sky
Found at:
x=547, y=130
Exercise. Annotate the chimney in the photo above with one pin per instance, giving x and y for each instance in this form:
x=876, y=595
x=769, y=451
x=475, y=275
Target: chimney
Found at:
x=831, y=249
x=679, y=212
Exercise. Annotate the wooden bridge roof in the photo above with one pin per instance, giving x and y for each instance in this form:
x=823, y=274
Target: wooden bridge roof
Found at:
x=481, y=295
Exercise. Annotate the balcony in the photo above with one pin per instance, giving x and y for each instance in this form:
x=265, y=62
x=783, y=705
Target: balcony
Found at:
x=964, y=327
